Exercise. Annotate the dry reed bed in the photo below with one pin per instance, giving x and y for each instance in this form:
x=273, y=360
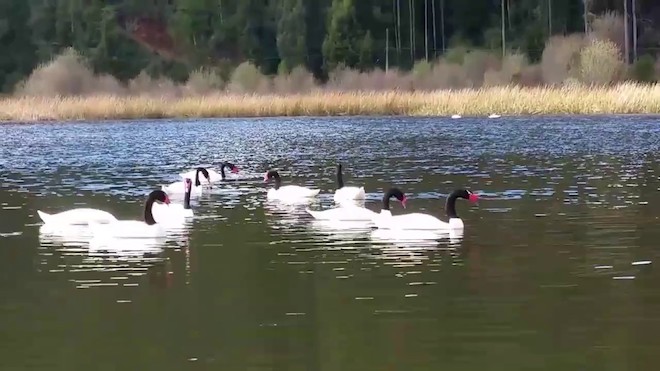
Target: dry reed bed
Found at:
x=620, y=99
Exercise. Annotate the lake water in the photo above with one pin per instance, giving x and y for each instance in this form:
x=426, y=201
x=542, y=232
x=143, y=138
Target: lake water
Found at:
x=556, y=269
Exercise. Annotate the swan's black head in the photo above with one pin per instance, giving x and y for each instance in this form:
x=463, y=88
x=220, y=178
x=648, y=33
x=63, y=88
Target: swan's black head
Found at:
x=188, y=184
x=232, y=167
x=271, y=174
x=450, y=205
x=396, y=193
x=157, y=195
x=160, y=196
x=466, y=194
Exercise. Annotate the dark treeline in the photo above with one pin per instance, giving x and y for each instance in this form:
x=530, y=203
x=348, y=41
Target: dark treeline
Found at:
x=174, y=37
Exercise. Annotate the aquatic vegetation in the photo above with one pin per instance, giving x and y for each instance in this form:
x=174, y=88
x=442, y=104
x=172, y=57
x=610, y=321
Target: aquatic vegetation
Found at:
x=626, y=98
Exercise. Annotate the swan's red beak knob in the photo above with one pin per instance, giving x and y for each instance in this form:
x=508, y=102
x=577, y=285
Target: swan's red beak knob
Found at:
x=234, y=170
x=474, y=197
x=403, y=201
x=265, y=177
x=167, y=200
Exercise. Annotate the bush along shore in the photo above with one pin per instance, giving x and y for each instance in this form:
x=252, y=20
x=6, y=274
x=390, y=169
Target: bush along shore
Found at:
x=624, y=98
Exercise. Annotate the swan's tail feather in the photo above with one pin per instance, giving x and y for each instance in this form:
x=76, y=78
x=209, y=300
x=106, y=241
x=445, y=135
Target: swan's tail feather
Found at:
x=45, y=217
x=312, y=213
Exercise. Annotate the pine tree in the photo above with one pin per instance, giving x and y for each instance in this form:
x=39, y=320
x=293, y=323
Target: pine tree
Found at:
x=340, y=46
x=291, y=31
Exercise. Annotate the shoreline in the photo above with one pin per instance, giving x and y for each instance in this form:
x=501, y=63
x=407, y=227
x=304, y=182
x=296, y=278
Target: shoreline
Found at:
x=627, y=98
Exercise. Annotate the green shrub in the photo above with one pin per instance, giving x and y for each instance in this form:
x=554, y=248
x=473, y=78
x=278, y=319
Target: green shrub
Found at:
x=246, y=78
x=455, y=55
x=644, y=69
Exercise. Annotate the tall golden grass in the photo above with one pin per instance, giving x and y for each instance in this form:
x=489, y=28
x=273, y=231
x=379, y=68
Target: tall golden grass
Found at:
x=626, y=98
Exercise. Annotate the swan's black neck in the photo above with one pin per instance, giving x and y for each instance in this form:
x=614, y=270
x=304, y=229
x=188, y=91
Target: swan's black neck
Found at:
x=388, y=195
x=199, y=170
x=197, y=183
x=186, y=198
x=450, y=205
x=222, y=170
x=340, y=178
x=272, y=174
x=148, y=216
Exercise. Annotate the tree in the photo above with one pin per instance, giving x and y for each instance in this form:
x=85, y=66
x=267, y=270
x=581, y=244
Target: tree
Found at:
x=291, y=32
x=18, y=52
x=340, y=44
x=366, y=58
x=258, y=37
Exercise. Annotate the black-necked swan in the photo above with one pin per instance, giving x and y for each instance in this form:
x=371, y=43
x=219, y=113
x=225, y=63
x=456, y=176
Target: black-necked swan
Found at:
x=287, y=192
x=213, y=175
x=352, y=212
x=78, y=216
x=174, y=212
x=146, y=228
x=346, y=193
x=421, y=221
x=180, y=187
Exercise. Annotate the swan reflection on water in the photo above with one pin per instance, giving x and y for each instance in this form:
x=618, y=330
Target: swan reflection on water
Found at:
x=105, y=261
x=81, y=236
x=416, y=238
x=126, y=246
x=340, y=229
x=67, y=235
x=412, y=246
x=284, y=214
x=390, y=244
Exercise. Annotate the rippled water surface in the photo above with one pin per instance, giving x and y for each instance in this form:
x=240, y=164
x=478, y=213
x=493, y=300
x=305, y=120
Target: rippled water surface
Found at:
x=556, y=269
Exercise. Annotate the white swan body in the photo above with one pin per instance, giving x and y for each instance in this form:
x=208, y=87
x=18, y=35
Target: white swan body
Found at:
x=214, y=176
x=180, y=187
x=421, y=221
x=291, y=192
x=349, y=194
x=148, y=228
x=414, y=221
x=287, y=192
x=344, y=193
x=77, y=216
x=343, y=213
x=174, y=212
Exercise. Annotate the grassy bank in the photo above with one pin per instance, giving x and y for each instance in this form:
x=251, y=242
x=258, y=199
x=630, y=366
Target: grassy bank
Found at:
x=620, y=99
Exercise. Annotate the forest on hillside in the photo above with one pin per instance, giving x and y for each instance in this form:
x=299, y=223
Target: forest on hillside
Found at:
x=176, y=39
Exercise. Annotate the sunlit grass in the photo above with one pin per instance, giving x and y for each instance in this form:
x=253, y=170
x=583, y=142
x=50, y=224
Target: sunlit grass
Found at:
x=620, y=99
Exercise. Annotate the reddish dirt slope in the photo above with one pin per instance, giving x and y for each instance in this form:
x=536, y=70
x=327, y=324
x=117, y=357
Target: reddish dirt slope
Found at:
x=153, y=35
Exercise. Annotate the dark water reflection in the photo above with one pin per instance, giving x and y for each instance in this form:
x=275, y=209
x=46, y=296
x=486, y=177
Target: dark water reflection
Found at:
x=555, y=269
